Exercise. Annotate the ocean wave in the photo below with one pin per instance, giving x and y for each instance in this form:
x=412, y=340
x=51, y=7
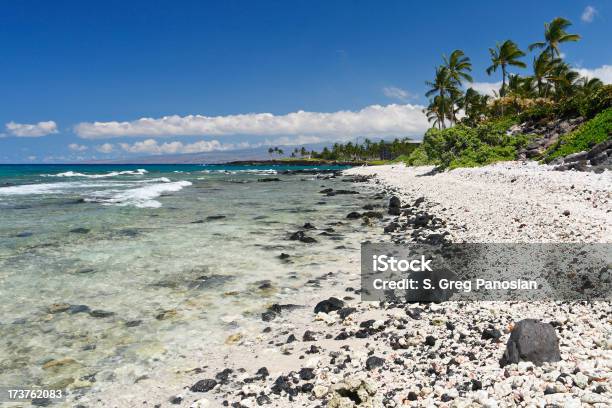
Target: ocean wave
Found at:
x=53, y=188
x=249, y=171
x=141, y=197
x=138, y=172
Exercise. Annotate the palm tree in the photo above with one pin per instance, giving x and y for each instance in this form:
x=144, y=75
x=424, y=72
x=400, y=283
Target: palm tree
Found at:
x=435, y=111
x=564, y=80
x=442, y=85
x=270, y=151
x=554, y=35
x=474, y=105
x=587, y=86
x=542, y=67
x=503, y=55
x=458, y=66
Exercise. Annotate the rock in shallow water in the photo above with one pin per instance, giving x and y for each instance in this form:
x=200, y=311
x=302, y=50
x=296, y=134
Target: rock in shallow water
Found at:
x=533, y=341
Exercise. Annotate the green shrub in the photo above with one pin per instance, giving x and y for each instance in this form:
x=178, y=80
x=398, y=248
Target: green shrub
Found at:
x=418, y=157
x=586, y=136
x=462, y=146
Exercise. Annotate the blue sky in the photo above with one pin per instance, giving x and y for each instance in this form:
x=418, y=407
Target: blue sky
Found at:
x=77, y=77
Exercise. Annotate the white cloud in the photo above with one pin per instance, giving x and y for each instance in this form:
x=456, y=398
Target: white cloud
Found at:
x=77, y=147
x=105, y=148
x=397, y=93
x=487, y=88
x=588, y=14
x=31, y=130
x=604, y=73
x=374, y=120
x=31, y=158
x=151, y=146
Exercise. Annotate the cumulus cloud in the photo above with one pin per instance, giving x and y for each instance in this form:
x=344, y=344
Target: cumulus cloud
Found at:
x=604, y=73
x=374, y=120
x=77, y=147
x=151, y=146
x=487, y=88
x=31, y=130
x=397, y=93
x=588, y=14
x=105, y=148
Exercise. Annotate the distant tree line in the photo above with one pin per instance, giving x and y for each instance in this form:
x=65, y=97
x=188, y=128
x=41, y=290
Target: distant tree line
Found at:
x=368, y=150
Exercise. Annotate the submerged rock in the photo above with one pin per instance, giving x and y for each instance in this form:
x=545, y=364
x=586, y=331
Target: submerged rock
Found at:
x=80, y=230
x=101, y=313
x=300, y=236
x=533, y=341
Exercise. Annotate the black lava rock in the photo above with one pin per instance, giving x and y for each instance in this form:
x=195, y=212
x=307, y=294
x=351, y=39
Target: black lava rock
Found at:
x=306, y=374
x=345, y=312
x=204, y=385
x=329, y=305
x=533, y=341
x=353, y=215
x=491, y=334
x=308, y=336
x=430, y=341
x=374, y=362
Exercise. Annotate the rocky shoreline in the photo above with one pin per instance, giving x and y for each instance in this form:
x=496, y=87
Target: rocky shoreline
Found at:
x=336, y=351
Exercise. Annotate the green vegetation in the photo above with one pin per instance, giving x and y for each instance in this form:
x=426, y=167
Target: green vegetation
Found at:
x=553, y=91
x=465, y=146
x=586, y=136
x=374, y=153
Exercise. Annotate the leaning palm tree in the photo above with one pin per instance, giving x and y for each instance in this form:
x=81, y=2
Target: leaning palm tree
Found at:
x=554, y=35
x=503, y=55
x=458, y=66
x=442, y=85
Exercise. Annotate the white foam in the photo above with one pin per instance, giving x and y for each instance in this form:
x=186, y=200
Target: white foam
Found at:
x=141, y=197
x=138, y=172
x=52, y=188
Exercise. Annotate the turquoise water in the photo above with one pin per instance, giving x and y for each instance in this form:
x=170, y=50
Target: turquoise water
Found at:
x=172, y=259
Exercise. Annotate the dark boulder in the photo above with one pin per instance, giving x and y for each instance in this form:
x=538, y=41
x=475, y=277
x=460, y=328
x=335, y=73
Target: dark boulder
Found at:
x=353, y=215
x=329, y=305
x=533, y=341
x=394, y=205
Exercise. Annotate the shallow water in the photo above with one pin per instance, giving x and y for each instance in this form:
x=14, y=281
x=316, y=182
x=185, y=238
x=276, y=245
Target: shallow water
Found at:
x=134, y=244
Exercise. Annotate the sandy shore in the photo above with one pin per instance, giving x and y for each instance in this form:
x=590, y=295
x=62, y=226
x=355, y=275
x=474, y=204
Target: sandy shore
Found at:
x=443, y=355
